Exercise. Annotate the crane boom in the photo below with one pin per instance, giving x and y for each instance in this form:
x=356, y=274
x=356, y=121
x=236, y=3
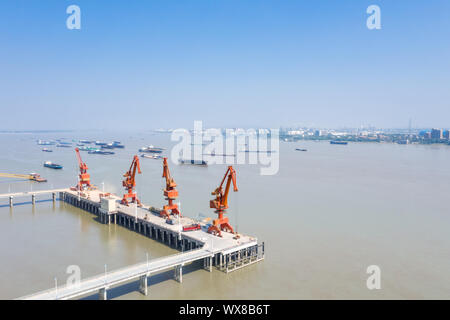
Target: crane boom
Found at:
x=84, y=181
x=220, y=203
x=170, y=192
x=130, y=182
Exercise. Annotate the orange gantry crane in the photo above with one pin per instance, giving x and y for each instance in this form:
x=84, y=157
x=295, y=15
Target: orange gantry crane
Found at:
x=220, y=203
x=170, y=192
x=130, y=183
x=84, y=181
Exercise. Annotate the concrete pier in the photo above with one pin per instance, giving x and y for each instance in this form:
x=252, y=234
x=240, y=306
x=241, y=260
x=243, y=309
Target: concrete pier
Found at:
x=227, y=253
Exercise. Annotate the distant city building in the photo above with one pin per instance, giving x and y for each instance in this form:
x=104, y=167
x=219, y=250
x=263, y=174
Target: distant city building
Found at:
x=427, y=135
x=436, y=134
x=446, y=134
x=295, y=132
x=320, y=133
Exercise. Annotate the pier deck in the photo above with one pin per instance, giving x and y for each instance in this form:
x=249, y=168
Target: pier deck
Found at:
x=226, y=253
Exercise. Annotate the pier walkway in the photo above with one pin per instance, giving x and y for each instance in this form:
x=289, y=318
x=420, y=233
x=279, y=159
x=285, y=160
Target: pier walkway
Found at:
x=103, y=282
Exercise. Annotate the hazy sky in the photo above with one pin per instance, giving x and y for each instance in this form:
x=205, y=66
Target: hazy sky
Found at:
x=150, y=64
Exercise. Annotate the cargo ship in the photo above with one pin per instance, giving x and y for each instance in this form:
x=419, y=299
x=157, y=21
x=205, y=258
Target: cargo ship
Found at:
x=117, y=144
x=49, y=164
x=100, y=152
x=107, y=146
x=194, y=162
x=338, y=142
x=85, y=148
x=45, y=143
x=151, y=149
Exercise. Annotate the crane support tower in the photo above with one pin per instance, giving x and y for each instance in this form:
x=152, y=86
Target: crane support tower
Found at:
x=220, y=203
x=170, y=192
x=130, y=183
x=84, y=181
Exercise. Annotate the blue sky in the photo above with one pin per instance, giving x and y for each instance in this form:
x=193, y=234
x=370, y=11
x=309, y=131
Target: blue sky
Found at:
x=150, y=64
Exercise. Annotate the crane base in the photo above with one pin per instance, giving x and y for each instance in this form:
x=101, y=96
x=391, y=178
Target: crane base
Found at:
x=216, y=229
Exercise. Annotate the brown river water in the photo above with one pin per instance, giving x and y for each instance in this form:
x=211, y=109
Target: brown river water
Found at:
x=327, y=215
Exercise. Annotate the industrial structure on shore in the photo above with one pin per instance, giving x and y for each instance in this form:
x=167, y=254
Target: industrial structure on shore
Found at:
x=214, y=245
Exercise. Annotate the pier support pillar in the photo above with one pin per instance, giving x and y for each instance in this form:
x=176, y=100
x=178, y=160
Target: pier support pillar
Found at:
x=11, y=201
x=102, y=294
x=207, y=264
x=54, y=196
x=179, y=273
x=33, y=199
x=143, y=285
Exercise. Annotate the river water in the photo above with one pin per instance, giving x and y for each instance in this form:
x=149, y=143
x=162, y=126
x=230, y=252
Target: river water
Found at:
x=327, y=215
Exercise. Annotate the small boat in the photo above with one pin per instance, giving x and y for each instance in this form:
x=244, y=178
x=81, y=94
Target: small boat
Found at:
x=299, y=149
x=194, y=162
x=100, y=143
x=36, y=177
x=100, y=152
x=338, y=142
x=151, y=149
x=47, y=150
x=86, y=141
x=64, y=146
x=151, y=156
x=49, y=164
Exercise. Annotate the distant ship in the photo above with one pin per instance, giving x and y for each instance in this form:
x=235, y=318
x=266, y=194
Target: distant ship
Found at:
x=86, y=141
x=299, y=149
x=49, y=164
x=85, y=148
x=151, y=156
x=100, y=152
x=151, y=149
x=45, y=143
x=63, y=145
x=117, y=144
x=338, y=142
x=194, y=162
x=100, y=143
x=47, y=150
x=107, y=146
